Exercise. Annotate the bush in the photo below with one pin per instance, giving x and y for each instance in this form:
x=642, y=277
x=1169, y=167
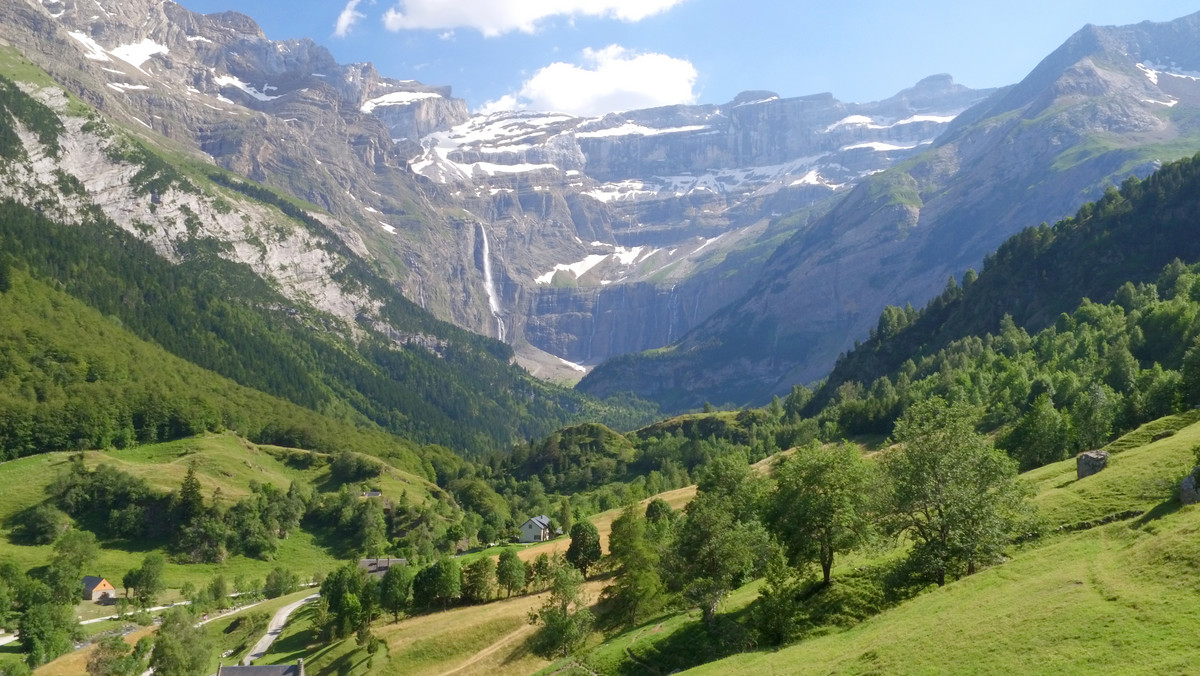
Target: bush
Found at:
x=280, y=582
x=41, y=524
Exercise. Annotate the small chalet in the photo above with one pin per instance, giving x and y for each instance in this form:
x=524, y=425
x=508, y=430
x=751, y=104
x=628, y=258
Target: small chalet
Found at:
x=371, y=494
x=378, y=567
x=296, y=669
x=97, y=589
x=536, y=529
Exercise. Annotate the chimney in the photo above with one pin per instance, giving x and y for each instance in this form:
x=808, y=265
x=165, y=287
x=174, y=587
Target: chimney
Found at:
x=300, y=663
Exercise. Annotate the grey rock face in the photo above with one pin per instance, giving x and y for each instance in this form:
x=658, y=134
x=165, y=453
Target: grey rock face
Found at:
x=658, y=200
x=1089, y=463
x=1189, y=494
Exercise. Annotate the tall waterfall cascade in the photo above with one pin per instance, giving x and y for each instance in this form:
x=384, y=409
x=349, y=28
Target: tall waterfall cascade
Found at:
x=490, y=286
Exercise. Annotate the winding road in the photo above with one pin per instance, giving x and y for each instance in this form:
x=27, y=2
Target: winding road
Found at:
x=274, y=629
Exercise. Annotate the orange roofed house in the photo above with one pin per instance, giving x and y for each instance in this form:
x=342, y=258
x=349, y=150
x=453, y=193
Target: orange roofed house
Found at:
x=97, y=589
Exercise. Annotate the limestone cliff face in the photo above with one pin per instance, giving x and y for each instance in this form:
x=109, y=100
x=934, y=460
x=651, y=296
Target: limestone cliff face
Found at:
x=1110, y=103
x=605, y=235
x=607, y=226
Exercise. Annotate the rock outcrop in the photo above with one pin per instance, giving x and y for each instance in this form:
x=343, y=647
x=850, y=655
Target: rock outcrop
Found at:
x=1189, y=491
x=1089, y=463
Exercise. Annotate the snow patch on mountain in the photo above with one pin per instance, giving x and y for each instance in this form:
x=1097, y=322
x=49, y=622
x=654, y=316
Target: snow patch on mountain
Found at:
x=397, y=99
x=577, y=367
x=578, y=268
x=620, y=256
x=757, y=102
x=1154, y=70
x=814, y=178
x=138, y=53
x=231, y=81
x=633, y=129
x=92, y=49
x=879, y=146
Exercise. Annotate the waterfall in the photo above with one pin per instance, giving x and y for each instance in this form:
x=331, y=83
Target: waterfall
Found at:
x=489, y=286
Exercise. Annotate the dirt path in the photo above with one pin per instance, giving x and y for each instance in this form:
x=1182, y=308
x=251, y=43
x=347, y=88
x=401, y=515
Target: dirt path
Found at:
x=493, y=648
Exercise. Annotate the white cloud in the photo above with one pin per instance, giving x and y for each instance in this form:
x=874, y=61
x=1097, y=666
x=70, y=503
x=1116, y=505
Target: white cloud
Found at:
x=496, y=17
x=611, y=79
x=506, y=102
x=346, y=20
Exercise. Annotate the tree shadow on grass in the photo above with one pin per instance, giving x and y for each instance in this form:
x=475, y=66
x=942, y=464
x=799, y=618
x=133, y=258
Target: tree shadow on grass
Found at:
x=693, y=644
x=519, y=652
x=350, y=662
x=291, y=646
x=335, y=541
x=1159, y=511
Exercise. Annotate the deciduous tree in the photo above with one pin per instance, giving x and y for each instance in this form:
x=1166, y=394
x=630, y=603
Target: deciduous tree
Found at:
x=510, y=571
x=477, y=580
x=395, y=590
x=821, y=504
x=565, y=618
x=182, y=648
x=950, y=491
x=584, y=550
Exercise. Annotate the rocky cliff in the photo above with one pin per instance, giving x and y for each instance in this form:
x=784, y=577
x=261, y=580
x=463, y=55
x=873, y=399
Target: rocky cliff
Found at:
x=620, y=233
x=607, y=226
x=1110, y=103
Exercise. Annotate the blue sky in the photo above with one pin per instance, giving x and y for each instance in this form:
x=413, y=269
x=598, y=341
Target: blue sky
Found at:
x=592, y=56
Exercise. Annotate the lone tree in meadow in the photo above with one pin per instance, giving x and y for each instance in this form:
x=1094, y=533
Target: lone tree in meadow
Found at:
x=821, y=504
x=955, y=495
x=584, y=550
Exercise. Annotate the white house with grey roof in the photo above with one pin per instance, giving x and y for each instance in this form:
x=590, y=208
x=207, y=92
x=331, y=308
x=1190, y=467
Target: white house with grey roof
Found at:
x=536, y=529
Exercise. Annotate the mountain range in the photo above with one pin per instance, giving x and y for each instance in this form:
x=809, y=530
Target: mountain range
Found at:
x=743, y=245
x=1110, y=103
x=603, y=235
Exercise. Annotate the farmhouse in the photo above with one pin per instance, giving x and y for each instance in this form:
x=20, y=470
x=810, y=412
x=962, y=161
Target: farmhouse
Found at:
x=296, y=669
x=536, y=529
x=97, y=589
x=378, y=567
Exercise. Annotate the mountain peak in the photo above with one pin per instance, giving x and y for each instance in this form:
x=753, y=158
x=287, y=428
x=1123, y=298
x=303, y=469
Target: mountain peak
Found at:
x=753, y=95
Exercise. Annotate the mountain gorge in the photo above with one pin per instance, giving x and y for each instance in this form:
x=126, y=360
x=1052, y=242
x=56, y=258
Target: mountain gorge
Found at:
x=603, y=235
x=1108, y=104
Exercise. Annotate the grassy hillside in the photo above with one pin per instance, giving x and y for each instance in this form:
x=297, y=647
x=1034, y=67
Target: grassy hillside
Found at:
x=1117, y=597
x=1127, y=236
x=225, y=465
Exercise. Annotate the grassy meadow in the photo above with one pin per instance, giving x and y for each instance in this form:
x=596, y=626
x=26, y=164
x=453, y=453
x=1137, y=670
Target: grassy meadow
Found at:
x=225, y=466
